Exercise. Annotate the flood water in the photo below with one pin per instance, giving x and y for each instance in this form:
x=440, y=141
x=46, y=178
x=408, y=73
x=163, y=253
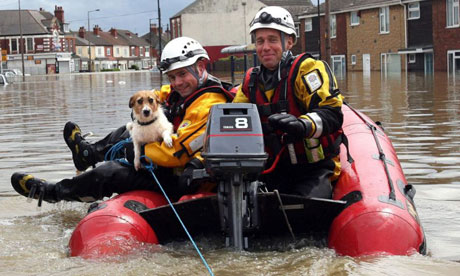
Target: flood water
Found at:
x=419, y=113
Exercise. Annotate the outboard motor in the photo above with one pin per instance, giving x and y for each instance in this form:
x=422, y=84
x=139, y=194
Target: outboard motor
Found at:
x=234, y=155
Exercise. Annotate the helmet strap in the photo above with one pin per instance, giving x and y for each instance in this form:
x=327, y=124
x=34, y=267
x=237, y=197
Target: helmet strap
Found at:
x=193, y=69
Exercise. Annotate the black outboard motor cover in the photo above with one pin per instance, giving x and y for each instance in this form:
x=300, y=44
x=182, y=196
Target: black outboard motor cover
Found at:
x=234, y=141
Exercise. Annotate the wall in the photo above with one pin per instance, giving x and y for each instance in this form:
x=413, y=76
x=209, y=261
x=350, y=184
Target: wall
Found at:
x=366, y=39
x=444, y=39
x=208, y=29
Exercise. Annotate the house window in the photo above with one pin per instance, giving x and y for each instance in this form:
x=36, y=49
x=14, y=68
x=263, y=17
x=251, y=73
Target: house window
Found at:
x=354, y=18
x=338, y=65
x=353, y=59
x=14, y=45
x=30, y=44
x=133, y=51
x=384, y=20
x=79, y=51
x=453, y=62
x=413, y=11
x=108, y=51
x=308, y=25
x=333, y=26
x=125, y=52
x=141, y=51
x=411, y=58
x=118, y=51
x=452, y=13
x=99, y=51
x=297, y=26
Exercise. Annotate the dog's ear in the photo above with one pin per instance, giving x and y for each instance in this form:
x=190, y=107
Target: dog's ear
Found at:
x=156, y=97
x=131, y=101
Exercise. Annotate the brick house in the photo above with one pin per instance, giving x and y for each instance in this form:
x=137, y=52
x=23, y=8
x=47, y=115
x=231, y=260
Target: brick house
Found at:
x=419, y=50
x=47, y=43
x=365, y=35
x=446, y=35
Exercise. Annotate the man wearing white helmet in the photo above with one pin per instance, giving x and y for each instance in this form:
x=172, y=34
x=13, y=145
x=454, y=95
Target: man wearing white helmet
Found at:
x=187, y=101
x=300, y=107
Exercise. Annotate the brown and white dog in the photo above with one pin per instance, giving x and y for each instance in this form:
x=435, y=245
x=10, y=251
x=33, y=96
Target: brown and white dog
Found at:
x=149, y=123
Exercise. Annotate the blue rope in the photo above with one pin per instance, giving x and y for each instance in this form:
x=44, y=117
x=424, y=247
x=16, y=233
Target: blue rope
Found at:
x=116, y=150
x=150, y=168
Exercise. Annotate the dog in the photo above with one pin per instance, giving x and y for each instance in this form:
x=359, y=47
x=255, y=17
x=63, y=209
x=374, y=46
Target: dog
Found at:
x=149, y=123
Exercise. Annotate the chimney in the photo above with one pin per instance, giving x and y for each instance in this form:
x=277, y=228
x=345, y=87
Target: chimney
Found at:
x=96, y=30
x=154, y=29
x=59, y=13
x=113, y=32
x=81, y=32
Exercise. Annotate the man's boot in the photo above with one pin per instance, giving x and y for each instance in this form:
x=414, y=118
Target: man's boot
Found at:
x=29, y=186
x=82, y=151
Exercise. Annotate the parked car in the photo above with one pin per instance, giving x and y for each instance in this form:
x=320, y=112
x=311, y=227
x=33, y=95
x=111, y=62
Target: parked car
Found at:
x=3, y=80
x=17, y=72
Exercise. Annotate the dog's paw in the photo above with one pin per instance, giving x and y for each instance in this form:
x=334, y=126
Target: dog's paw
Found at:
x=137, y=164
x=168, y=141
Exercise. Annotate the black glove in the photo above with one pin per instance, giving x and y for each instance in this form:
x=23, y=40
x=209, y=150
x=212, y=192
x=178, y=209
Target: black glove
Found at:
x=288, y=123
x=186, y=185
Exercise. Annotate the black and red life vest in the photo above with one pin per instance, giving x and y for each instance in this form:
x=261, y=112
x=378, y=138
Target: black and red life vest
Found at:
x=285, y=101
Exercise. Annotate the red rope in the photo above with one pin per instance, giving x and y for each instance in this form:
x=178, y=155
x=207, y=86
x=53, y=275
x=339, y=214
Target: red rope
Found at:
x=277, y=159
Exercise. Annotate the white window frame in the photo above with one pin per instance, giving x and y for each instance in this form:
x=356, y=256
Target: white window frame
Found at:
x=452, y=55
x=297, y=29
x=108, y=52
x=413, y=11
x=32, y=44
x=384, y=16
x=354, y=18
x=17, y=45
x=353, y=59
x=333, y=23
x=340, y=59
x=412, y=58
x=308, y=25
x=452, y=13
x=133, y=51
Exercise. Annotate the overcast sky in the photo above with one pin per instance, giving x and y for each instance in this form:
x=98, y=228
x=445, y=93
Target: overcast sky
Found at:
x=133, y=15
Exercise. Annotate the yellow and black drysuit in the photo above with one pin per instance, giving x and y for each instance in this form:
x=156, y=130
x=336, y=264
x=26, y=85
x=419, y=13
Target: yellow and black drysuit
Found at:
x=188, y=115
x=306, y=88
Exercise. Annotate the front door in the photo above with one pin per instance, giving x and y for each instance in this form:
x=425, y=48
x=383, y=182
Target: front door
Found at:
x=366, y=64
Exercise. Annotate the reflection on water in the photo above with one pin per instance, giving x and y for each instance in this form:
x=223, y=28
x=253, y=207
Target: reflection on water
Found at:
x=419, y=113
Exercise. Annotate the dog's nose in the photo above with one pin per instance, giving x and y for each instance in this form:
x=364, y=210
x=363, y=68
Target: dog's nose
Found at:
x=146, y=112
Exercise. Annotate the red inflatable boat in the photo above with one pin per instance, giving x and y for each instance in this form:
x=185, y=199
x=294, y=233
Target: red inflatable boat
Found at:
x=372, y=211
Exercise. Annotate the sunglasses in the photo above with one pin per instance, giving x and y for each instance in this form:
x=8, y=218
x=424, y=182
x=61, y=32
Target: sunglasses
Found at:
x=266, y=18
x=166, y=63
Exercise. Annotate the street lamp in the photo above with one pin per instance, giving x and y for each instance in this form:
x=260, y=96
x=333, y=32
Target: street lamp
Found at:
x=89, y=42
x=21, y=43
x=245, y=34
x=151, y=49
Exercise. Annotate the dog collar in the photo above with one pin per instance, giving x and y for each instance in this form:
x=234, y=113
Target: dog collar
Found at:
x=146, y=123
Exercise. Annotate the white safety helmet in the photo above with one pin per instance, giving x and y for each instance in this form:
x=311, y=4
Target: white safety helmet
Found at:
x=274, y=17
x=181, y=52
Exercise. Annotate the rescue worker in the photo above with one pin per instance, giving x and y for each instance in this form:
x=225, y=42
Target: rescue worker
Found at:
x=300, y=107
x=187, y=102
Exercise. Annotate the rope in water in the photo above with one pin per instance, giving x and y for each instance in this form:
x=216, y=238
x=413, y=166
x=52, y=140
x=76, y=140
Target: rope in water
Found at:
x=150, y=168
x=114, y=152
